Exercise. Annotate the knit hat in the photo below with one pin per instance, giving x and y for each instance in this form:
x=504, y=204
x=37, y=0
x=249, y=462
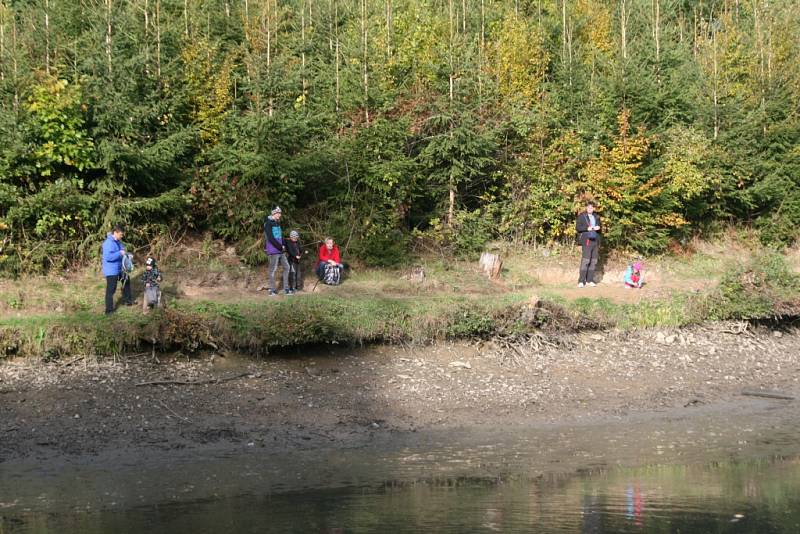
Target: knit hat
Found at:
x=294, y=234
x=276, y=209
x=637, y=266
x=150, y=262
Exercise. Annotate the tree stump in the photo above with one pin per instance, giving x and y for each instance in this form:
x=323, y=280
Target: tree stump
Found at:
x=417, y=274
x=491, y=264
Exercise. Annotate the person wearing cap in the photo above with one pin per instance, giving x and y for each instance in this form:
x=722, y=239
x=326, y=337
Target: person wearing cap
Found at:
x=113, y=251
x=634, y=277
x=151, y=278
x=275, y=248
x=294, y=253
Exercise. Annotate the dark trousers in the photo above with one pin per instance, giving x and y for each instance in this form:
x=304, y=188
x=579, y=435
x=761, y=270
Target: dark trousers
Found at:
x=111, y=288
x=295, y=275
x=321, y=270
x=589, y=254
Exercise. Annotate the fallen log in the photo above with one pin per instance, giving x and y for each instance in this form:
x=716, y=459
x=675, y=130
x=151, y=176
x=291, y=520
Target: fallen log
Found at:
x=193, y=382
x=767, y=394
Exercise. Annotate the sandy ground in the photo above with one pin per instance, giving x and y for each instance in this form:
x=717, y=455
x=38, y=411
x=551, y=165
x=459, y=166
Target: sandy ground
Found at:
x=343, y=397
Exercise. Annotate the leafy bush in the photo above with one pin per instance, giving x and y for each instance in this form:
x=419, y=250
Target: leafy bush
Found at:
x=764, y=287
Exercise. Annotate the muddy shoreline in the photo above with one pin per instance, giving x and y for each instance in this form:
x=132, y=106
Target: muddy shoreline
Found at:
x=344, y=398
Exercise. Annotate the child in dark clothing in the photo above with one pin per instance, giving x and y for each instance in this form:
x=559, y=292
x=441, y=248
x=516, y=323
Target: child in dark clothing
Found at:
x=294, y=252
x=151, y=277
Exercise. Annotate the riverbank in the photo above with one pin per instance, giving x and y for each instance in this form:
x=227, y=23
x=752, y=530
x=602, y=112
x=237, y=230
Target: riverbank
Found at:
x=344, y=398
x=216, y=305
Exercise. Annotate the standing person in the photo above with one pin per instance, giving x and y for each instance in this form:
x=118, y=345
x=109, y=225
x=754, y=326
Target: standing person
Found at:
x=329, y=266
x=588, y=228
x=275, y=251
x=151, y=278
x=113, y=253
x=294, y=252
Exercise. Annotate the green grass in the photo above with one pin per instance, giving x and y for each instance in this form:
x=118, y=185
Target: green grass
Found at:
x=376, y=306
x=256, y=327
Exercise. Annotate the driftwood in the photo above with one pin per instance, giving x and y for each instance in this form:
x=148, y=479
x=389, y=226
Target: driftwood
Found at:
x=491, y=264
x=73, y=360
x=193, y=382
x=767, y=394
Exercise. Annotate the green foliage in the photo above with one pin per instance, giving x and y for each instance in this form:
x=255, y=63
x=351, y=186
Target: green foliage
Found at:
x=465, y=236
x=373, y=123
x=764, y=287
x=60, y=145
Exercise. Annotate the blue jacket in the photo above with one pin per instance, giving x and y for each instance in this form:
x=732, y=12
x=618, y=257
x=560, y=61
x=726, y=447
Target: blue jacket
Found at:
x=112, y=259
x=628, y=277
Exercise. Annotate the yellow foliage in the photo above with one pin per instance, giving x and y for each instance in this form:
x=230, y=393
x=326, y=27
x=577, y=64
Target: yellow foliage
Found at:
x=209, y=86
x=611, y=179
x=729, y=59
x=521, y=60
x=597, y=21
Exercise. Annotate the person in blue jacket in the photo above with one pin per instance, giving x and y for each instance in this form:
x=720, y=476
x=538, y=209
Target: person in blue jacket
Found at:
x=113, y=253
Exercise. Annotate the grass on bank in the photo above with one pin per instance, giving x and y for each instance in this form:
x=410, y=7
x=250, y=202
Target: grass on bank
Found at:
x=378, y=306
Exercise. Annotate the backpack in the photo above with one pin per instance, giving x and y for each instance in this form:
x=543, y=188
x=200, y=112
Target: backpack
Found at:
x=333, y=275
x=127, y=263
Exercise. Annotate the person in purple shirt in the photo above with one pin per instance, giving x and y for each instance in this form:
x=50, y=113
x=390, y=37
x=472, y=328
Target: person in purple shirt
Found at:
x=275, y=249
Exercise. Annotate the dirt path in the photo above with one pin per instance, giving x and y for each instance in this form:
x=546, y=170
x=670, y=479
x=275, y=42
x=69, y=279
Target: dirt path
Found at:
x=342, y=398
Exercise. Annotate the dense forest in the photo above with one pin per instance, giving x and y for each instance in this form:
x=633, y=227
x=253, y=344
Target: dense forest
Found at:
x=390, y=123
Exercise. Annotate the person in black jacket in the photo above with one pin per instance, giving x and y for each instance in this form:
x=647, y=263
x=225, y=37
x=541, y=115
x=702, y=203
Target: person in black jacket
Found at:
x=588, y=228
x=294, y=253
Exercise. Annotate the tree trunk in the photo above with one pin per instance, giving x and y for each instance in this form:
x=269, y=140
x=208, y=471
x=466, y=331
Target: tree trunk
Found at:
x=158, y=39
x=451, y=205
x=47, y=36
x=146, y=11
x=657, y=38
x=623, y=21
x=491, y=264
x=108, y=36
x=757, y=29
x=365, y=35
x=2, y=40
x=388, y=28
x=481, y=47
x=716, y=83
x=14, y=64
x=563, y=32
x=269, y=53
x=336, y=36
x=303, y=53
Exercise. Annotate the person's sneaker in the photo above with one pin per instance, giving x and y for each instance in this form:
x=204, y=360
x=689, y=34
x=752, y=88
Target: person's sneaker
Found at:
x=289, y=292
x=592, y=284
x=580, y=284
x=273, y=293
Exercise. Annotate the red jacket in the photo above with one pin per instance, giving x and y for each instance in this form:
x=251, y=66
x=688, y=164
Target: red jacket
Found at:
x=325, y=255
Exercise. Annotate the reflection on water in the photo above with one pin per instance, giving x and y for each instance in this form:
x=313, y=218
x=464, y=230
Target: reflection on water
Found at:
x=757, y=496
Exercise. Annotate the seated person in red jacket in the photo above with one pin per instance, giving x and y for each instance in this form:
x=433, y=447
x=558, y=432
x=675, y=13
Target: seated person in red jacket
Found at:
x=329, y=267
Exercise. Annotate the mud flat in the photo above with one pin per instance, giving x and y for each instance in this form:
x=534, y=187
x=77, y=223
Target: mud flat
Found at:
x=338, y=397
